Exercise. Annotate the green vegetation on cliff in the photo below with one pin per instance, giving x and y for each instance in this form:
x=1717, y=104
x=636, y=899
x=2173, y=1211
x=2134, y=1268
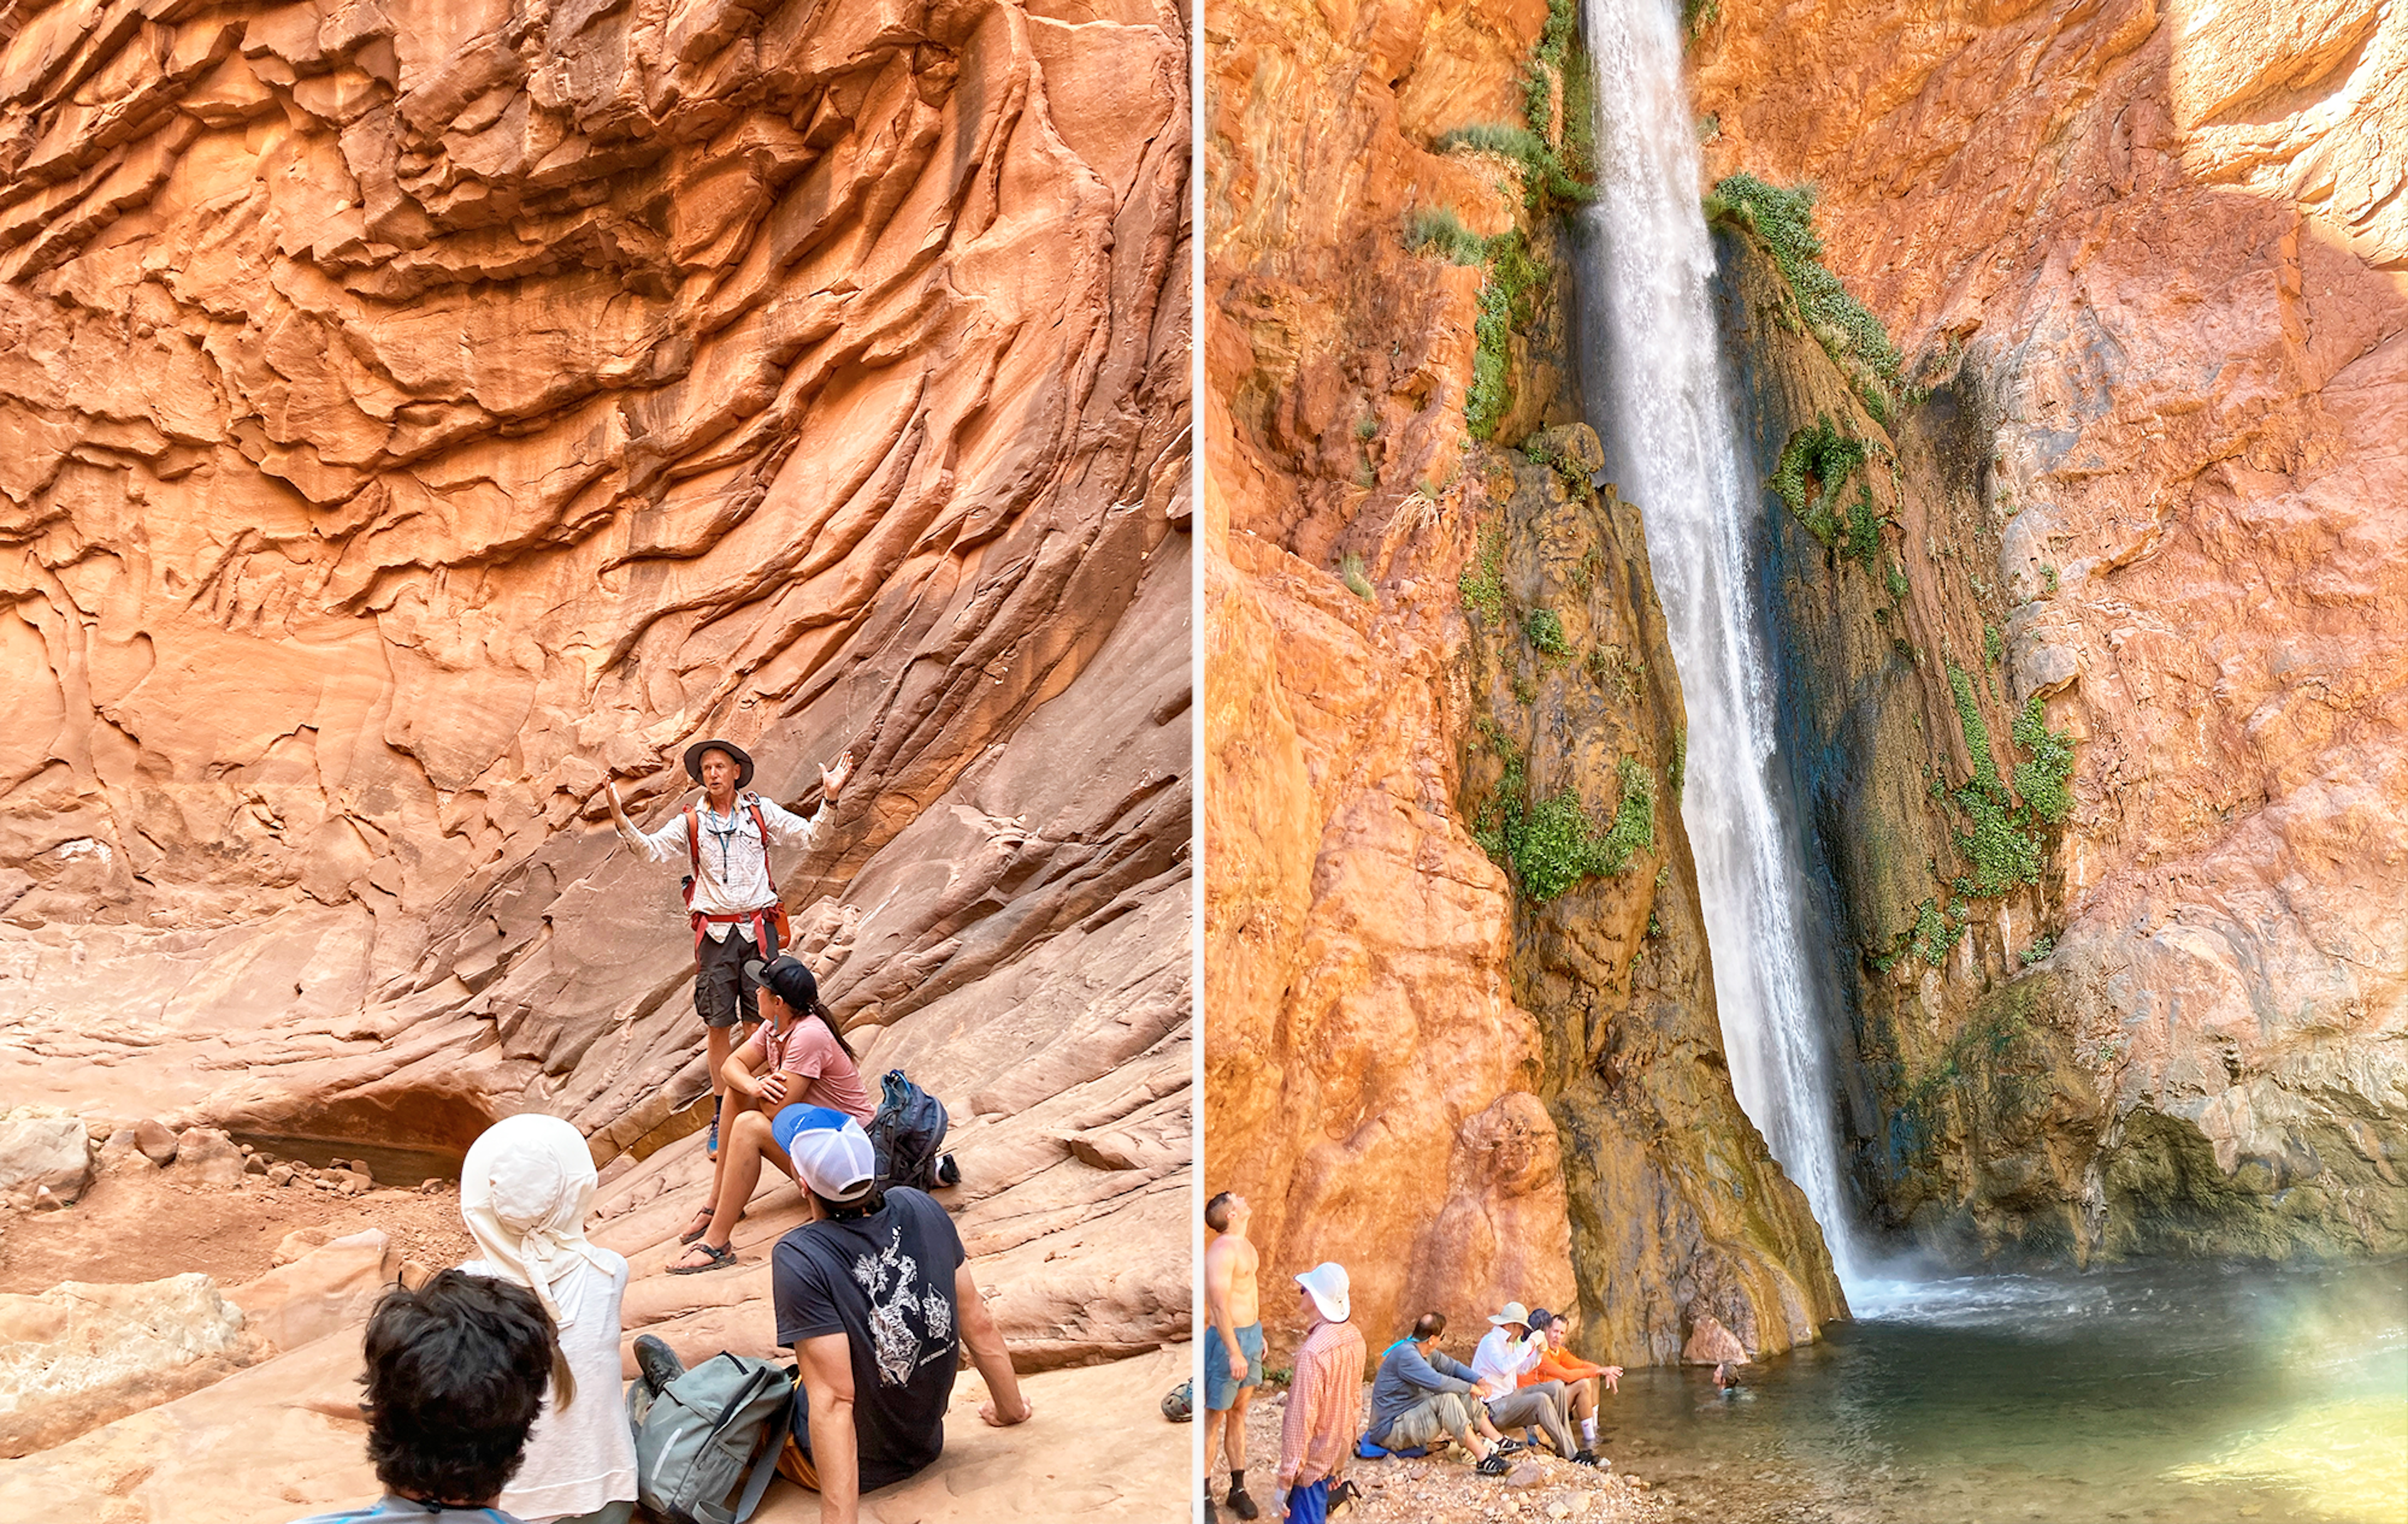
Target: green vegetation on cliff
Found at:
x=1553, y=843
x=1482, y=583
x=1848, y=332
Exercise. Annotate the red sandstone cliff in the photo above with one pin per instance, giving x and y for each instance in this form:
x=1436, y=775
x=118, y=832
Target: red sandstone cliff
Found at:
x=1464, y=1099
x=413, y=414
x=2158, y=256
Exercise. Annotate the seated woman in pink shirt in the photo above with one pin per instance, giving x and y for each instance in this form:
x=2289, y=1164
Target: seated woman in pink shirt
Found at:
x=795, y=1058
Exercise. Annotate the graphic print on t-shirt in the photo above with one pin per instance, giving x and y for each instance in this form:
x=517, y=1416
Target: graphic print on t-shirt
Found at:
x=887, y=1277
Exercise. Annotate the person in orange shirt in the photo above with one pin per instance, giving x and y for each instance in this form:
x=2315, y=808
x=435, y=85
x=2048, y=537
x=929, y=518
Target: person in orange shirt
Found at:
x=1581, y=1379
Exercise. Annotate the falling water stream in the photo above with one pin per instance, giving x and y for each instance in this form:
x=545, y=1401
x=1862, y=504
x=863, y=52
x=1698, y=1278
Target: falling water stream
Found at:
x=2167, y=1391
x=1673, y=446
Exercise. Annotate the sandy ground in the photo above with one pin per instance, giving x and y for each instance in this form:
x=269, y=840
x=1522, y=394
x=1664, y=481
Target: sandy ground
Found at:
x=1447, y=1490
x=140, y=1223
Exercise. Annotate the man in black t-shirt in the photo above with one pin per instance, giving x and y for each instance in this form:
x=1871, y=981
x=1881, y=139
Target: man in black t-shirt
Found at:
x=877, y=1299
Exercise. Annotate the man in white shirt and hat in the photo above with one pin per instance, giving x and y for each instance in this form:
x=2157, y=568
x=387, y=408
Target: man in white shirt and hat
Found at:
x=1509, y=1349
x=731, y=896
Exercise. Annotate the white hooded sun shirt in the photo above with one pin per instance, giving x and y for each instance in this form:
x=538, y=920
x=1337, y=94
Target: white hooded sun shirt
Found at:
x=524, y=1190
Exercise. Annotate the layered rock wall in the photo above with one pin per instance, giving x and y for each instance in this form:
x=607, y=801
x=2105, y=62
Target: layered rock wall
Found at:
x=2153, y=259
x=1464, y=1100
x=413, y=415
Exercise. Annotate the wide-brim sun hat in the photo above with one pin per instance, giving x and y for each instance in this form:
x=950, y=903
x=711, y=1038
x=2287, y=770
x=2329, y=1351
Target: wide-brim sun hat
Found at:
x=829, y=1149
x=1325, y=1283
x=743, y=760
x=1515, y=1313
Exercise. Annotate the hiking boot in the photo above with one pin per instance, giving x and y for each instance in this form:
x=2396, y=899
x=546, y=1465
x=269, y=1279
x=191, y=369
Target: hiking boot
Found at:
x=950, y=1174
x=1242, y=1506
x=710, y=1143
x=657, y=1363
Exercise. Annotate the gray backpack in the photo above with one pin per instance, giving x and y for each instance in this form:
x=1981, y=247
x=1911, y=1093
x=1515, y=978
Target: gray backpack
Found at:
x=718, y=1427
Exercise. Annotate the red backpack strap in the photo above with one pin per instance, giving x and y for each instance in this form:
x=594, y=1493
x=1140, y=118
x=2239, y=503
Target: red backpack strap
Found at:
x=693, y=842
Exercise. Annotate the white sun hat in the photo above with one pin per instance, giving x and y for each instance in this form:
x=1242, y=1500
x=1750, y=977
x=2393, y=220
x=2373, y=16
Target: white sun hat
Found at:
x=1325, y=1283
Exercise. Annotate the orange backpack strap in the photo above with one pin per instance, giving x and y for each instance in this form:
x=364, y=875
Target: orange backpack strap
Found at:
x=693, y=843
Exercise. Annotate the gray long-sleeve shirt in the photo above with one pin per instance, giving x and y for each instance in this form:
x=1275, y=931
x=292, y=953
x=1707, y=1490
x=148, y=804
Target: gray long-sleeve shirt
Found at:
x=1406, y=1377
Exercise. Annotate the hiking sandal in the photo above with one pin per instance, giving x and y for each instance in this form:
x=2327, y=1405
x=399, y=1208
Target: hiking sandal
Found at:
x=719, y=1259
x=1343, y=1496
x=1494, y=1465
x=691, y=1234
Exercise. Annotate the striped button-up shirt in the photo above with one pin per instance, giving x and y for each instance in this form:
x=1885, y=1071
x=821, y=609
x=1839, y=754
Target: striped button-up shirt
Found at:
x=1325, y=1405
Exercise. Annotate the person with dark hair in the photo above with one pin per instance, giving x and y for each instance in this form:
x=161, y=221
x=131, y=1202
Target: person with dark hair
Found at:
x=1583, y=1381
x=876, y=1297
x=731, y=896
x=797, y=1057
x=525, y=1190
x=1422, y=1396
x=1233, y=1343
x=456, y=1374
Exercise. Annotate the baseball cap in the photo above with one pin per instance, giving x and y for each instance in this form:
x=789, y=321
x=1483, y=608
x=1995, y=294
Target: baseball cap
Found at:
x=787, y=977
x=829, y=1148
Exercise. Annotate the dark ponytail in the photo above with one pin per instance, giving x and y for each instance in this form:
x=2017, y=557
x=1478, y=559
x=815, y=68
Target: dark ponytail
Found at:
x=827, y=1019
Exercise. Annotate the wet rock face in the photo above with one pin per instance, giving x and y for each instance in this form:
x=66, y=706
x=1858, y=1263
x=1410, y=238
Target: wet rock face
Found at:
x=1678, y=1211
x=2153, y=257
x=1391, y=1061
x=413, y=415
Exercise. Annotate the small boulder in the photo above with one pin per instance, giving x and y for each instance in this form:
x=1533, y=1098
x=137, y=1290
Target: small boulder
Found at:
x=1525, y=1474
x=281, y=1174
x=209, y=1155
x=157, y=1144
x=44, y=1153
x=118, y=1145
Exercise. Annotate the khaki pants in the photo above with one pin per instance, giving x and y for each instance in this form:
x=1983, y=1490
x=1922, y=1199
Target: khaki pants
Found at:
x=1441, y=1415
x=1542, y=1404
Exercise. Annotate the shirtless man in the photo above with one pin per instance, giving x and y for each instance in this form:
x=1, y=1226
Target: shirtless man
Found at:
x=1233, y=1342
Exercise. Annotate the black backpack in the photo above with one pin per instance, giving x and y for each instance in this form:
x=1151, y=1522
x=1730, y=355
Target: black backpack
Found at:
x=908, y=1134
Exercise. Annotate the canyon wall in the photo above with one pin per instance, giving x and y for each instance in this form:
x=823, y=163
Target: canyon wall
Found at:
x=2148, y=266
x=1463, y=1092
x=413, y=415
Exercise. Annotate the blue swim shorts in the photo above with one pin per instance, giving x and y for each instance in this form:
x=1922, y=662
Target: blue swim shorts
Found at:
x=1220, y=1392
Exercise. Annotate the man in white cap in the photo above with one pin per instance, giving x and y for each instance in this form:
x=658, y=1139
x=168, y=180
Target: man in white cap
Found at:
x=1511, y=1348
x=876, y=1297
x=731, y=896
x=1324, y=1401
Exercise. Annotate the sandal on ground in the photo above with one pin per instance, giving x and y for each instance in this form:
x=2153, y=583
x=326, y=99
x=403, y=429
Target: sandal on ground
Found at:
x=719, y=1259
x=1343, y=1496
x=1512, y=1446
x=1585, y=1457
x=1494, y=1465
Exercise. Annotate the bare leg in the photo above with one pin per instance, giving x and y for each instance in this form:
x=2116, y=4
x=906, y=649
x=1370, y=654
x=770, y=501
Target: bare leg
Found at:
x=732, y=1106
x=1213, y=1418
x=718, y=1042
x=747, y=1143
x=1583, y=1398
x=1234, y=1439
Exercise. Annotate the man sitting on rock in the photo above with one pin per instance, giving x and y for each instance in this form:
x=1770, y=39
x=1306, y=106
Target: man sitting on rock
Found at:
x=732, y=897
x=1510, y=1350
x=456, y=1372
x=1584, y=1381
x=1423, y=1395
x=876, y=1298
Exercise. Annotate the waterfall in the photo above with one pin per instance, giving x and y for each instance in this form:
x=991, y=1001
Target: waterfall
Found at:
x=1663, y=405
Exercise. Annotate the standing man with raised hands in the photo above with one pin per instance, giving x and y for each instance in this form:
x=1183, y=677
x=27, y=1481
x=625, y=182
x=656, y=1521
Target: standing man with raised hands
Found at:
x=731, y=895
